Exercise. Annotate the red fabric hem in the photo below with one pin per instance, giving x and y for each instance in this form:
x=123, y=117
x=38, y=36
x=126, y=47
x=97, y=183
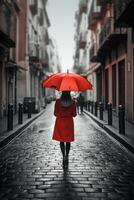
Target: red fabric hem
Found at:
x=62, y=140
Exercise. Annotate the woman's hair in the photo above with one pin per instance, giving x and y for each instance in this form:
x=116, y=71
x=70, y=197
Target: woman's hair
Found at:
x=66, y=99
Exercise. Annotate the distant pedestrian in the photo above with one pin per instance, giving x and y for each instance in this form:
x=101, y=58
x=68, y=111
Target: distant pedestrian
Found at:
x=80, y=104
x=65, y=110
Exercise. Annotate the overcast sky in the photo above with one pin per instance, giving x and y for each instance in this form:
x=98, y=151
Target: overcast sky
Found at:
x=61, y=14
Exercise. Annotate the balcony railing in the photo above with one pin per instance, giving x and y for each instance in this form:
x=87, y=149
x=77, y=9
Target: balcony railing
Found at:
x=103, y=2
x=94, y=16
x=77, y=53
x=32, y=2
x=33, y=6
x=120, y=6
x=124, y=13
x=41, y=17
x=8, y=25
x=83, y=40
x=109, y=30
x=83, y=6
x=33, y=50
x=46, y=36
x=45, y=59
x=93, y=53
x=106, y=30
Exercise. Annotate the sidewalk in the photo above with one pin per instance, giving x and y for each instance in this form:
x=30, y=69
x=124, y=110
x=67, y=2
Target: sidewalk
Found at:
x=7, y=136
x=126, y=140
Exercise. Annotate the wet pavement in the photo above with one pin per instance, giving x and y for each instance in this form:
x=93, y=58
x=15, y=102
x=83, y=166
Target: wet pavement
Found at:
x=99, y=169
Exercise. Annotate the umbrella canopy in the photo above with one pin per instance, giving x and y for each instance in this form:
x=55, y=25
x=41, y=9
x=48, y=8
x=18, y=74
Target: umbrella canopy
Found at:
x=67, y=82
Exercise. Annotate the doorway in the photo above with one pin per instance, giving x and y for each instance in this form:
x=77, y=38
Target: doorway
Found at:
x=99, y=85
x=106, y=88
x=121, y=82
x=1, y=89
x=114, y=86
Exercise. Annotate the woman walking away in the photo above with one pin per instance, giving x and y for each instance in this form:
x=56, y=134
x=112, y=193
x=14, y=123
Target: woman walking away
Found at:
x=65, y=110
x=80, y=101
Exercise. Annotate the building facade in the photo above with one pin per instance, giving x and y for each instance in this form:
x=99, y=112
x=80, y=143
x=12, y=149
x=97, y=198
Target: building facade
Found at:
x=124, y=18
x=54, y=67
x=81, y=38
x=112, y=52
x=110, y=58
x=24, y=51
x=38, y=42
x=80, y=57
x=94, y=73
x=9, y=14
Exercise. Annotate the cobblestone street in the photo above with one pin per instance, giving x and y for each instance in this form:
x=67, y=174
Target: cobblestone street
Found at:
x=99, y=169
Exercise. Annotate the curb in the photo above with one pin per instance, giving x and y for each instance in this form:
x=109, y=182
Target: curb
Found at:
x=113, y=133
x=18, y=130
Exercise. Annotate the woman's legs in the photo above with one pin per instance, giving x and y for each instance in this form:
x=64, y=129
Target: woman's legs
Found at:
x=62, y=147
x=67, y=148
x=65, y=152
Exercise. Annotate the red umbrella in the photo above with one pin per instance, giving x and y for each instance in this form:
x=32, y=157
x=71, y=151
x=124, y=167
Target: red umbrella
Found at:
x=67, y=82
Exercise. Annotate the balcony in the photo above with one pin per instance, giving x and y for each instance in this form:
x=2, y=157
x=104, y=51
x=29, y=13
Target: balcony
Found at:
x=46, y=36
x=83, y=6
x=94, y=16
x=41, y=17
x=77, y=54
x=110, y=36
x=93, y=54
x=103, y=2
x=123, y=11
x=7, y=25
x=83, y=40
x=33, y=6
x=45, y=60
x=16, y=5
x=33, y=50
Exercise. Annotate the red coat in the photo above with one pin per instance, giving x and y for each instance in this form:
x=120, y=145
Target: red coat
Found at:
x=64, y=124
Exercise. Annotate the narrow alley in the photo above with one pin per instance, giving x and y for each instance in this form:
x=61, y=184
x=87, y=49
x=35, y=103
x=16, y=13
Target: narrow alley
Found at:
x=99, y=169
